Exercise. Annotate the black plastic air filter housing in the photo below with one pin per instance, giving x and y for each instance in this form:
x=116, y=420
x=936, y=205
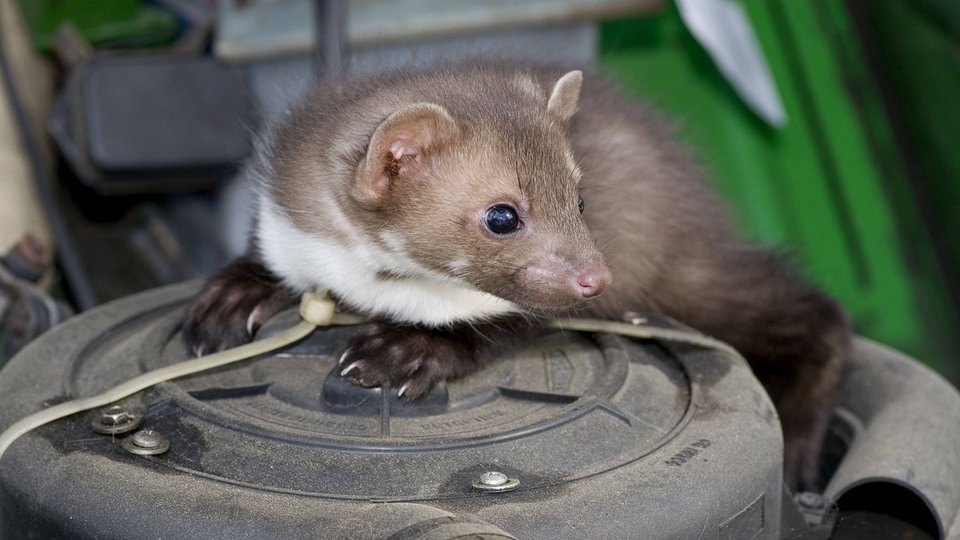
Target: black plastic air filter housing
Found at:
x=608, y=438
x=594, y=436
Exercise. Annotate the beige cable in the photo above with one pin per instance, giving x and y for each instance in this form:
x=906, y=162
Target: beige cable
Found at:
x=316, y=309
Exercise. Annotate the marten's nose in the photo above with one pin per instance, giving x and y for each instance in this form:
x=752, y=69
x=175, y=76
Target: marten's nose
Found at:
x=593, y=279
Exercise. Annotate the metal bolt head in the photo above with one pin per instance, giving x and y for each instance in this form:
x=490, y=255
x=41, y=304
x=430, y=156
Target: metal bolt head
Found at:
x=115, y=420
x=146, y=442
x=114, y=415
x=495, y=482
x=493, y=479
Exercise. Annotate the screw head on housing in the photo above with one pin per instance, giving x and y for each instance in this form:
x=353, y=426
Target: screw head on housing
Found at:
x=115, y=420
x=495, y=482
x=146, y=442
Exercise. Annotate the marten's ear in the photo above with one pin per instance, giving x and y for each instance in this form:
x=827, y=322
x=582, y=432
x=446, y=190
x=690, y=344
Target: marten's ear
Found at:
x=565, y=95
x=401, y=146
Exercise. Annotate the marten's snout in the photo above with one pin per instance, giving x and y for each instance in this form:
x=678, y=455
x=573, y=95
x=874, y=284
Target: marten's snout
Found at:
x=554, y=282
x=592, y=279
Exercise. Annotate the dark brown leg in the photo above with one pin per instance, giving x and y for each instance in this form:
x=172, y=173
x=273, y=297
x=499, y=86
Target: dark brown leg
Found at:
x=414, y=359
x=796, y=340
x=233, y=303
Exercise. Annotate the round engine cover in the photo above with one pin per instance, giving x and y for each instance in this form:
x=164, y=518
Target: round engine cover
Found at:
x=594, y=436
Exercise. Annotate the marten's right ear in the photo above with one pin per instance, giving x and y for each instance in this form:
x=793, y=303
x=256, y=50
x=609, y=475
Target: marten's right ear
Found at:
x=565, y=95
x=402, y=145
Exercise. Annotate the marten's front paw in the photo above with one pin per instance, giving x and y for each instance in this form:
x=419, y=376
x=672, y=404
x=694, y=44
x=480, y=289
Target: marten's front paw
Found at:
x=410, y=359
x=232, y=305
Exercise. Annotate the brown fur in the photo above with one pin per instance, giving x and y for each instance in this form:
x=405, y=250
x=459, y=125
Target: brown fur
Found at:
x=506, y=147
x=424, y=155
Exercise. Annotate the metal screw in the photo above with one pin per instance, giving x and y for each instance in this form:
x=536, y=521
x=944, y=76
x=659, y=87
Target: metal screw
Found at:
x=495, y=482
x=146, y=442
x=115, y=420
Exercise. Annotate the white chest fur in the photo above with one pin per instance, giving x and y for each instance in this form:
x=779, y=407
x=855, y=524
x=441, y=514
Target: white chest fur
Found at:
x=355, y=272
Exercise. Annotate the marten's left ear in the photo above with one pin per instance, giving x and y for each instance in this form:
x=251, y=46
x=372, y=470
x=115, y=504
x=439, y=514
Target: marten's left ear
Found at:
x=565, y=95
x=400, y=146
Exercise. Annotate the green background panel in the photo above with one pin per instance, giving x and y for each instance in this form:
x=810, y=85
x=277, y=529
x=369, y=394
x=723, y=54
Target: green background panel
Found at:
x=100, y=22
x=827, y=187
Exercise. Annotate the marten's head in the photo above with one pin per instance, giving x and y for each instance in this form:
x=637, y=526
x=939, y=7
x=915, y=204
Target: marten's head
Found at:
x=484, y=190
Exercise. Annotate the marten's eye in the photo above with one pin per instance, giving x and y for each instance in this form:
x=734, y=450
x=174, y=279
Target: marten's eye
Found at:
x=502, y=219
x=580, y=204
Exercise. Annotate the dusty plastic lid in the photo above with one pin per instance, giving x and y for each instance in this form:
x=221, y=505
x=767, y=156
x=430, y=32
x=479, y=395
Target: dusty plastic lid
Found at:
x=617, y=436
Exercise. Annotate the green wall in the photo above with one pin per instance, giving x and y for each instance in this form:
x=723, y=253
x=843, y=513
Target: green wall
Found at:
x=827, y=187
